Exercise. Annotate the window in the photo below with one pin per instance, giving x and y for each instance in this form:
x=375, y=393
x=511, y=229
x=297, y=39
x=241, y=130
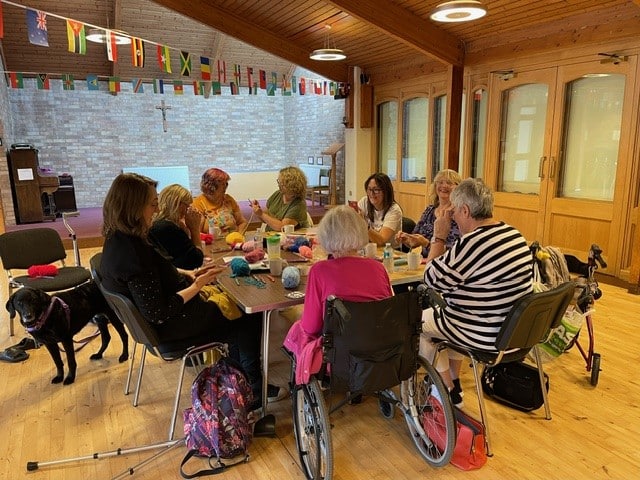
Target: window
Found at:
x=415, y=116
x=388, y=138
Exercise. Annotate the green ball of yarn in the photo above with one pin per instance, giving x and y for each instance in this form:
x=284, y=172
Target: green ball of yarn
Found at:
x=239, y=267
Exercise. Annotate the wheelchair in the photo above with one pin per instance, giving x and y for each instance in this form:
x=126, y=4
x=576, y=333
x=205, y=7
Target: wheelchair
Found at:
x=367, y=349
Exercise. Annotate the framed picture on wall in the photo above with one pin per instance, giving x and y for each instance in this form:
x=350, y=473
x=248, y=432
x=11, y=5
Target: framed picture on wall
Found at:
x=310, y=160
x=319, y=160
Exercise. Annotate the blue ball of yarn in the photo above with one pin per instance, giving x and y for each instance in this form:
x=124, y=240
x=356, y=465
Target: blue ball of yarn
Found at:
x=290, y=277
x=299, y=242
x=239, y=267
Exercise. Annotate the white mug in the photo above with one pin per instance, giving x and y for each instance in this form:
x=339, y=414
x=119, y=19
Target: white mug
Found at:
x=370, y=250
x=276, y=265
x=413, y=260
x=288, y=229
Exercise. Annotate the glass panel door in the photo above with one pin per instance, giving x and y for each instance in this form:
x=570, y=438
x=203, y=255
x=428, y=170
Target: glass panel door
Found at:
x=388, y=138
x=415, y=119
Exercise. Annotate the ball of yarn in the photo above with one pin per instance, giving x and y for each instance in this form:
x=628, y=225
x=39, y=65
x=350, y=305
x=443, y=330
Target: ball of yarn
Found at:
x=299, y=242
x=239, y=267
x=233, y=238
x=36, y=271
x=305, y=251
x=249, y=246
x=255, y=255
x=290, y=277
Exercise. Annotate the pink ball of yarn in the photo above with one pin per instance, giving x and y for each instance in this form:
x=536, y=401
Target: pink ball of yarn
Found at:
x=305, y=251
x=248, y=246
x=254, y=256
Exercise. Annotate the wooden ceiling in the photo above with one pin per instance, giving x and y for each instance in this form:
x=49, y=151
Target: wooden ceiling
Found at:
x=387, y=39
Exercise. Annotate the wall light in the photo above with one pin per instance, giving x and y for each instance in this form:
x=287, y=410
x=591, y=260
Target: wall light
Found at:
x=329, y=52
x=97, y=35
x=458, y=11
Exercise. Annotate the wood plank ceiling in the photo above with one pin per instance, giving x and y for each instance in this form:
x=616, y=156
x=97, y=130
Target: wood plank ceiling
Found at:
x=387, y=39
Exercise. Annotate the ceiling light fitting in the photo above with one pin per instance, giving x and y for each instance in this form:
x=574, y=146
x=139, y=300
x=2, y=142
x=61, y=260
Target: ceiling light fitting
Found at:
x=329, y=53
x=458, y=11
x=98, y=35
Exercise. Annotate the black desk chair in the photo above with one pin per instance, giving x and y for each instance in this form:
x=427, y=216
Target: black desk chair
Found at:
x=408, y=224
x=38, y=246
x=145, y=335
x=527, y=324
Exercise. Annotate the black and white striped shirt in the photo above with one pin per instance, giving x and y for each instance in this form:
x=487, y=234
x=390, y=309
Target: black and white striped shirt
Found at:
x=480, y=278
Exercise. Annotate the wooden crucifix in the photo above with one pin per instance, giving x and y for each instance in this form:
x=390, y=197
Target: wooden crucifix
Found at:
x=164, y=109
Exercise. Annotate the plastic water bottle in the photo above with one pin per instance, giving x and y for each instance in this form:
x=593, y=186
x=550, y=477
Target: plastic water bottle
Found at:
x=212, y=227
x=387, y=257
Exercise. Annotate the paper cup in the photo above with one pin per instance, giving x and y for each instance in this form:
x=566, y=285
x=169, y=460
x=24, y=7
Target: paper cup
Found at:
x=413, y=260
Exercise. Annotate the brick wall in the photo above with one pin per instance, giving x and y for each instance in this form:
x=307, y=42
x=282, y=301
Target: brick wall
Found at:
x=93, y=134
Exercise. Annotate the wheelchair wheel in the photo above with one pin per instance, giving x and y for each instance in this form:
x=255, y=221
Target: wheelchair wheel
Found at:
x=595, y=369
x=429, y=414
x=312, y=431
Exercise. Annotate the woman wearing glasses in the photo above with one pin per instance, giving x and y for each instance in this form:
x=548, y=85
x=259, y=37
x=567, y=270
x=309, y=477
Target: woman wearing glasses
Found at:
x=380, y=210
x=287, y=205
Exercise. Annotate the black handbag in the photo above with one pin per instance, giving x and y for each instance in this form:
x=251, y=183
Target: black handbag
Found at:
x=515, y=384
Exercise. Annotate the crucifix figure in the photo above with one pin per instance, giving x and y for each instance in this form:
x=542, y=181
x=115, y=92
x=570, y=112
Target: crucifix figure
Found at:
x=164, y=109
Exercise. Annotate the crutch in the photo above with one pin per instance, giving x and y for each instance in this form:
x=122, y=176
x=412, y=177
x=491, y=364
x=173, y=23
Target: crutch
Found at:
x=31, y=466
x=72, y=234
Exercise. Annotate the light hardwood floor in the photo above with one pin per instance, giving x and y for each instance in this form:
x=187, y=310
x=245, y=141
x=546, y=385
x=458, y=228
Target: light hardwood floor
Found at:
x=594, y=433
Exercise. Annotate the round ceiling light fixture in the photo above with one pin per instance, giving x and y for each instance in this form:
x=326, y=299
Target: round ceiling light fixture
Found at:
x=458, y=11
x=327, y=54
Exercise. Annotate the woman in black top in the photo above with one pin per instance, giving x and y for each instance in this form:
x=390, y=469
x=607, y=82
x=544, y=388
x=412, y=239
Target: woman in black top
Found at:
x=166, y=297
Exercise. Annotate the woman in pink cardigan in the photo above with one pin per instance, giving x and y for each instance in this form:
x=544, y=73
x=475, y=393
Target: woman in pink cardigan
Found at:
x=346, y=274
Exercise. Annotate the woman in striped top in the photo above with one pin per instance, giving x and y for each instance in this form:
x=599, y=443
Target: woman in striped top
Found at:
x=486, y=270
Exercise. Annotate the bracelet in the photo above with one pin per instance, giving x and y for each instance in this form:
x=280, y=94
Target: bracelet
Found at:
x=438, y=239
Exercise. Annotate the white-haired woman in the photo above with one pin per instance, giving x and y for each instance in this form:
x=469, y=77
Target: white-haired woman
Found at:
x=342, y=233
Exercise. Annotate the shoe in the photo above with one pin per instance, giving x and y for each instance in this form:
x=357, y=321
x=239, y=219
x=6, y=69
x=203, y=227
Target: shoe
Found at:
x=275, y=393
x=26, y=343
x=356, y=399
x=456, y=398
x=13, y=355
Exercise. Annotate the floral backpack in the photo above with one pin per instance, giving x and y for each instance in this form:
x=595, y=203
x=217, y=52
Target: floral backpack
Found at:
x=216, y=425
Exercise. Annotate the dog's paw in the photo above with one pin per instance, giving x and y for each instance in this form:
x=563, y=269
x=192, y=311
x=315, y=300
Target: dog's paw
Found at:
x=96, y=356
x=123, y=358
x=69, y=380
x=56, y=379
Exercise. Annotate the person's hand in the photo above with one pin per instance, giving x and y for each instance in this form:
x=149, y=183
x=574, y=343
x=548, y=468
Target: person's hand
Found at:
x=255, y=206
x=205, y=276
x=442, y=224
x=193, y=219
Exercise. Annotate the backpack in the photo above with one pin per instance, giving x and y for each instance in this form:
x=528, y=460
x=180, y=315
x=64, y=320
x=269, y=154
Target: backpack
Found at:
x=216, y=425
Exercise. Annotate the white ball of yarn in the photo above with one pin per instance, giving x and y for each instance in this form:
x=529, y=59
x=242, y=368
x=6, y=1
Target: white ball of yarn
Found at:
x=290, y=277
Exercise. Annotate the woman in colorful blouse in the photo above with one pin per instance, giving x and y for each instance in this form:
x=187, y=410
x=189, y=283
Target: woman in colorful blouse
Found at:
x=218, y=208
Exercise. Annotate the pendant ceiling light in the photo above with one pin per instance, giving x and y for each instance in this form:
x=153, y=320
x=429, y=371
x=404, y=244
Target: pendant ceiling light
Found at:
x=98, y=35
x=458, y=11
x=329, y=52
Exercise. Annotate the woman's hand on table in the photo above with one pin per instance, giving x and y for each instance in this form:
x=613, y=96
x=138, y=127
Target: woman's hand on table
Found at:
x=206, y=275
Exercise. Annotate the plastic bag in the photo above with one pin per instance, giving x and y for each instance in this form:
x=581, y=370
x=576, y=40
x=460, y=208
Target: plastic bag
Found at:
x=560, y=337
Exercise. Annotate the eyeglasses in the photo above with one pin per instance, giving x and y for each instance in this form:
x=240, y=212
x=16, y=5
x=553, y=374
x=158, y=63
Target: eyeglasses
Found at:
x=374, y=191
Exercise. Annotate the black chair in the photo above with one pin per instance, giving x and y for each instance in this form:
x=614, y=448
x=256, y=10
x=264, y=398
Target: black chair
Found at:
x=142, y=333
x=408, y=224
x=527, y=324
x=38, y=246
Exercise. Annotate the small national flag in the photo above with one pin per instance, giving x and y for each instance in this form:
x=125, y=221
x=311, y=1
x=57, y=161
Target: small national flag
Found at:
x=196, y=87
x=332, y=89
x=272, y=85
x=67, y=82
x=216, y=88
x=1, y=22
x=178, y=88
x=164, y=60
x=92, y=82
x=250, y=79
x=205, y=88
x=318, y=86
x=76, y=37
x=294, y=84
x=37, y=27
x=137, y=85
x=114, y=85
x=222, y=71
x=43, y=81
x=234, y=88
x=263, y=79
x=112, y=46
x=286, y=86
x=237, y=75
x=205, y=68
x=16, y=80
x=303, y=86
x=137, y=52
x=185, y=63
x=158, y=85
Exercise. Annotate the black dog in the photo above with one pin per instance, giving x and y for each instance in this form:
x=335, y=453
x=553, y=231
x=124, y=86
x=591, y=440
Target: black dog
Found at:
x=52, y=319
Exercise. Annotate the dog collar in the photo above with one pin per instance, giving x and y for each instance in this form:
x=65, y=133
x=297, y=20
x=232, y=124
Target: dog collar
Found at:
x=43, y=318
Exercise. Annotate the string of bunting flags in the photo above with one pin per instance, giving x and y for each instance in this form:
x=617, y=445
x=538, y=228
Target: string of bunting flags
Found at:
x=208, y=84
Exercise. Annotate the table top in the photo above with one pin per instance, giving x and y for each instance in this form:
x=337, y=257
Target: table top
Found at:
x=252, y=298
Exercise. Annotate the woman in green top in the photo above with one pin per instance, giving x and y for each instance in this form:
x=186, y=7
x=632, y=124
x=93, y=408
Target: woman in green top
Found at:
x=287, y=205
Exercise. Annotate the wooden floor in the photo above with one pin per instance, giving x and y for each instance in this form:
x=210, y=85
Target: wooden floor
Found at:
x=594, y=434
